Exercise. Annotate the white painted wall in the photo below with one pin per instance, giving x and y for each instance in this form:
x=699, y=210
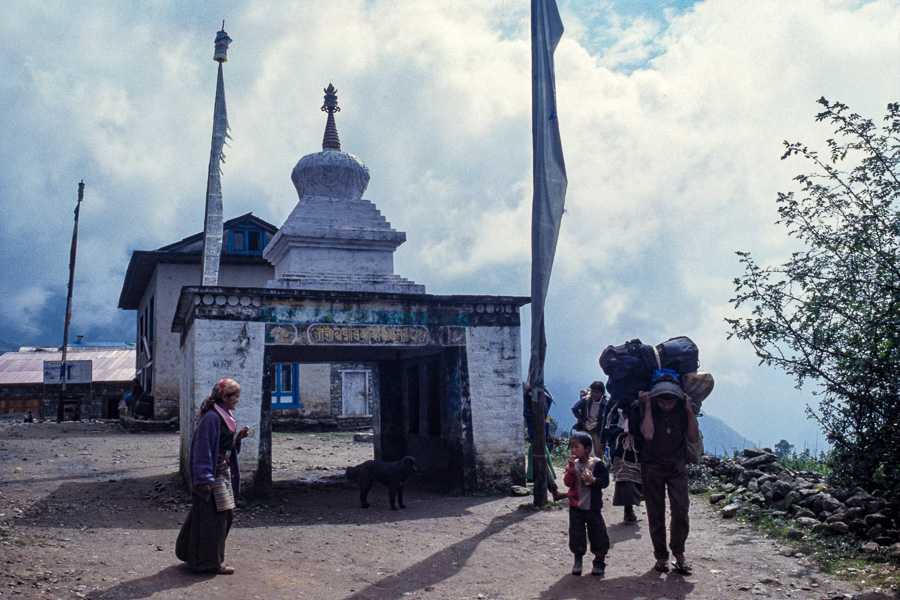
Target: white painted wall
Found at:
x=218, y=349
x=314, y=389
x=344, y=261
x=495, y=389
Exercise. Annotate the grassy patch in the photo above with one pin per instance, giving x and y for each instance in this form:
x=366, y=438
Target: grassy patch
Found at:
x=807, y=461
x=532, y=507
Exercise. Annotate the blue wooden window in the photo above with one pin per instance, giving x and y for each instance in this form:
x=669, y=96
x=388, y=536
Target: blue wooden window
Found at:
x=246, y=241
x=285, y=394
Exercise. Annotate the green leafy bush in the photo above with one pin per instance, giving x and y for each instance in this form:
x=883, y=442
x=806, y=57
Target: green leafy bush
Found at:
x=830, y=314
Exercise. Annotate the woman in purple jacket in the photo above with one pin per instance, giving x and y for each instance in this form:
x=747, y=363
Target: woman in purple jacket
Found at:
x=215, y=479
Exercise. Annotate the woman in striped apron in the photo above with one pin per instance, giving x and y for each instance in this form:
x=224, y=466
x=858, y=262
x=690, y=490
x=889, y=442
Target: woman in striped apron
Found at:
x=215, y=479
x=625, y=458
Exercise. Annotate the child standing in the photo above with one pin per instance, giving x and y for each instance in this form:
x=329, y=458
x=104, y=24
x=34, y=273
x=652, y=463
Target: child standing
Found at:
x=586, y=476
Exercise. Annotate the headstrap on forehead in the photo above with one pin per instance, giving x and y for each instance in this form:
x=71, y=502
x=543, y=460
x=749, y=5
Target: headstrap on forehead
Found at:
x=224, y=387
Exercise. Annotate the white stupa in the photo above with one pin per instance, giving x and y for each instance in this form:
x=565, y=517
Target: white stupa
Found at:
x=334, y=239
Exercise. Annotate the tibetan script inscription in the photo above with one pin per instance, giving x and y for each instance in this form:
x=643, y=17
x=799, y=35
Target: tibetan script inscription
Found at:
x=368, y=335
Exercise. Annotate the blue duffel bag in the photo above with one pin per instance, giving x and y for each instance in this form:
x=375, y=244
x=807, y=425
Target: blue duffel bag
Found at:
x=679, y=354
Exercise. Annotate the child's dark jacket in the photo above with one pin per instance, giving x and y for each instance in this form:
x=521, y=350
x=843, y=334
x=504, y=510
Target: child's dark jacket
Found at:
x=586, y=497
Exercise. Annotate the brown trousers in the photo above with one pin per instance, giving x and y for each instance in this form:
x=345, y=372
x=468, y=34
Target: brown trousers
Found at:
x=657, y=480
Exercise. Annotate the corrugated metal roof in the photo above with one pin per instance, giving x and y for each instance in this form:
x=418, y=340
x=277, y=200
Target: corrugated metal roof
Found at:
x=27, y=366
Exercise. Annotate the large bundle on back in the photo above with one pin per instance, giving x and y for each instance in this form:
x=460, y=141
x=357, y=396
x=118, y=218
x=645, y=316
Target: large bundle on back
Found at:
x=630, y=367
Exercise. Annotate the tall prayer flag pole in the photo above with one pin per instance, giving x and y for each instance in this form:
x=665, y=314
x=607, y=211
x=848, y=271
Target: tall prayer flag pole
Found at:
x=65, y=347
x=212, y=225
x=549, y=199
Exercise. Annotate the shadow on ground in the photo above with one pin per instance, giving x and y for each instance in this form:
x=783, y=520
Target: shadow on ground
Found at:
x=450, y=560
x=105, y=503
x=170, y=578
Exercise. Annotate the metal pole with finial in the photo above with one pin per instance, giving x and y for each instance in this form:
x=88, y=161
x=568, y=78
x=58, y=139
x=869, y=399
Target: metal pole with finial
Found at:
x=213, y=220
x=63, y=375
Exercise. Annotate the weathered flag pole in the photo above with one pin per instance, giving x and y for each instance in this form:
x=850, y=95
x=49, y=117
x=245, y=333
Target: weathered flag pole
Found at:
x=65, y=346
x=549, y=199
x=212, y=223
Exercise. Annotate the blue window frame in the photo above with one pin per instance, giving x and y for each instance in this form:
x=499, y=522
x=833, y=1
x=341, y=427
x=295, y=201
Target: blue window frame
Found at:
x=246, y=241
x=286, y=394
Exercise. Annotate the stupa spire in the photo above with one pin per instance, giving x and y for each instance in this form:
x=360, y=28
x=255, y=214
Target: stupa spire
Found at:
x=331, y=141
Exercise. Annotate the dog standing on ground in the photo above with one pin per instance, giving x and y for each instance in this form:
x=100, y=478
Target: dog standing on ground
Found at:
x=392, y=474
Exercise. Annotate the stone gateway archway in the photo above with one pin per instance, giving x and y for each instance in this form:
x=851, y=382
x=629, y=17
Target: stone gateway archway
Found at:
x=448, y=371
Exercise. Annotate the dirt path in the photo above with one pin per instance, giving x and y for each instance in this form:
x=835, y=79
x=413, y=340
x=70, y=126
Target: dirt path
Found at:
x=94, y=512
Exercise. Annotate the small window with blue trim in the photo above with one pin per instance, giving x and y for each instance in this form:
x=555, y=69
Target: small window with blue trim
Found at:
x=246, y=241
x=285, y=393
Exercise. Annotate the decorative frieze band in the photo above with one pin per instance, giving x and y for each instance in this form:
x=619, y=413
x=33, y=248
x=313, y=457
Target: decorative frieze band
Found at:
x=332, y=334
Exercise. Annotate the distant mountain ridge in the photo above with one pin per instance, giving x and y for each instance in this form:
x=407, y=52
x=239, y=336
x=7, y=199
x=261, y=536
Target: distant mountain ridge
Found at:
x=719, y=439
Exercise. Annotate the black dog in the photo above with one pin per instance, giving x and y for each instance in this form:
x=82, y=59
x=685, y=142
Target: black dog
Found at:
x=391, y=474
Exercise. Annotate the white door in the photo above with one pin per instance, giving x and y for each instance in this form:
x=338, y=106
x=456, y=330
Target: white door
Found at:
x=355, y=392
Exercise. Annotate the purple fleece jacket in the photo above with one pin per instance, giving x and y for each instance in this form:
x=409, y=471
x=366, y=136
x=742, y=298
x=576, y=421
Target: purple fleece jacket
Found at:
x=205, y=449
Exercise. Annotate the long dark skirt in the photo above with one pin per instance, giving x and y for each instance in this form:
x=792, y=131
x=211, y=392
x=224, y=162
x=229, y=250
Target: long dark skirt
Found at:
x=201, y=541
x=627, y=493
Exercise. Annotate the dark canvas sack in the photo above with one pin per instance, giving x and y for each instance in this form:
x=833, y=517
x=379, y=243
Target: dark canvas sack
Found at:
x=633, y=359
x=679, y=354
x=627, y=388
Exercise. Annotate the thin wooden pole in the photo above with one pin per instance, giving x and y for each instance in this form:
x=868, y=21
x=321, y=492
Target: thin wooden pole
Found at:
x=63, y=372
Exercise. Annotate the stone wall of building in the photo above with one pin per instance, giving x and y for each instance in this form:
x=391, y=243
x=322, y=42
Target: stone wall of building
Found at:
x=20, y=398
x=495, y=389
x=95, y=401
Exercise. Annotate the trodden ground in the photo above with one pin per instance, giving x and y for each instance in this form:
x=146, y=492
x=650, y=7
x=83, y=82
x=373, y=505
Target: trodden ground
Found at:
x=91, y=511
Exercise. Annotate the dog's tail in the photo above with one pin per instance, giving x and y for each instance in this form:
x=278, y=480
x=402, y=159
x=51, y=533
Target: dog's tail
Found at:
x=352, y=472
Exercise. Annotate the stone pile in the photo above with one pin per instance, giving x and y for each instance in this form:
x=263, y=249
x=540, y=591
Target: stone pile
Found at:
x=804, y=496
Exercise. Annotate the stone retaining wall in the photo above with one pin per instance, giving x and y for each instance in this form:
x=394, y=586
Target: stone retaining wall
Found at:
x=349, y=423
x=758, y=479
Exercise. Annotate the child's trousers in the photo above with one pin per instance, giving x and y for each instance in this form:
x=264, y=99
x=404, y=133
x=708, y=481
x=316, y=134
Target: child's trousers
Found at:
x=591, y=522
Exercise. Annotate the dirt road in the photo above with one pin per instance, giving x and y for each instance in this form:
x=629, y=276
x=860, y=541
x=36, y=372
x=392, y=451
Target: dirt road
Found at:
x=94, y=511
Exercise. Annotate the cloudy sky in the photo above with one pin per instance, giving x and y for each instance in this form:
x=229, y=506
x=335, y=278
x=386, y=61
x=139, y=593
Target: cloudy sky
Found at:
x=672, y=113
